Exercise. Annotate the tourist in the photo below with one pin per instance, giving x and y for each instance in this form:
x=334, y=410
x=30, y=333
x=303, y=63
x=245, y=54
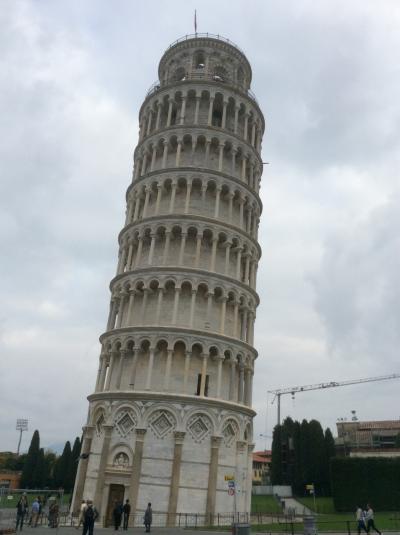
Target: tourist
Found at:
x=117, y=515
x=81, y=513
x=35, y=513
x=360, y=518
x=53, y=514
x=127, y=512
x=148, y=517
x=369, y=517
x=22, y=508
x=89, y=517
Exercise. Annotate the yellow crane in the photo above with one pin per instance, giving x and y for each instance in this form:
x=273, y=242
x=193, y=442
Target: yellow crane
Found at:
x=320, y=386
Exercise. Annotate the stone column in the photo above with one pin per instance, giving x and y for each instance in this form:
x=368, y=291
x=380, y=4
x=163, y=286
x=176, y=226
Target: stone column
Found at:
x=102, y=377
x=241, y=383
x=207, y=154
x=221, y=157
x=139, y=251
x=168, y=365
x=238, y=262
x=131, y=302
x=175, y=477
x=196, y=111
x=97, y=501
x=210, y=111
x=235, y=319
x=241, y=209
x=110, y=370
x=120, y=368
x=188, y=192
x=165, y=155
x=192, y=308
x=232, y=381
x=235, y=127
x=159, y=304
x=223, y=314
x=82, y=468
x=221, y=359
x=151, y=248
x=158, y=200
x=230, y=209
x=178, y=153
x=233, y=163
x=246, y=122
x=183, y=109
x=223, y=122
x=146, y=202
x=199, y=238
x=166, y=246
x=149, y=123
x=136, y=469
x=217, y=199
x=186, y=371
x=212, y=478
x=203, y=375
x=159, y=108
x=169, y=116
x=150, y=368
x=182, y=249
x=144, y=306
x=121, y=309
x=172, y=200
x=135, y=357
x=176, y=305
x=213, y=253
x=137, y=206
x=228, y=246
x=153, y=158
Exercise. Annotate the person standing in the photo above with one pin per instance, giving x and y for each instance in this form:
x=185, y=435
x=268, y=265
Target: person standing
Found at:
x=81, y=513
x=369, y=517
x=89, y=517
x=22, y=508
x=117, y=515
x=127, y=512
x=360, y=518
x=35, y=513
x=148, y=517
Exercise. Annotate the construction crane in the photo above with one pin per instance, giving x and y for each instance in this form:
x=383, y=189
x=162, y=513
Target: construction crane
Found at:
x=333, y=384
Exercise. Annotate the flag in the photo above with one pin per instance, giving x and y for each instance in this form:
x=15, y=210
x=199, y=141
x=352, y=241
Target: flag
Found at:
x=195, y=21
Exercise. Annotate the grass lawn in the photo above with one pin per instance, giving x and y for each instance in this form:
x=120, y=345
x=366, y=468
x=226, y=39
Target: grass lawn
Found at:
x=265, y=504
x=6, y=503
x=323, y=505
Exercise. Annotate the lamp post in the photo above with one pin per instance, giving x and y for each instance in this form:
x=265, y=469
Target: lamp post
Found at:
x=22, y=425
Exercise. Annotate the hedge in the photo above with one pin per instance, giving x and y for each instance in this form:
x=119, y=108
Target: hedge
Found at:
x=361, y=481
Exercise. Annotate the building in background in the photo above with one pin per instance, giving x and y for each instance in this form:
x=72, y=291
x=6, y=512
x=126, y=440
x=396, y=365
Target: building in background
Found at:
x=358, y=438
x=261, y=467
x=10, y=480
x=170, y=420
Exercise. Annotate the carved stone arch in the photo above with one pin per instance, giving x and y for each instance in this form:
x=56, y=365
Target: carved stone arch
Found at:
x=129, y=343
x=214, y=349
x=197, y=347
x=162, y=420
x=248, y=432
x=125, y=418
x=139, y=284
x=144, y=342
x=116, y=344
x=121, y=450
x=188, y=418
x=230, y=430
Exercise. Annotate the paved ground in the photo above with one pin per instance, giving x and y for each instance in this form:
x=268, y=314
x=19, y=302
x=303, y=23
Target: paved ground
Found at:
x=109, y=531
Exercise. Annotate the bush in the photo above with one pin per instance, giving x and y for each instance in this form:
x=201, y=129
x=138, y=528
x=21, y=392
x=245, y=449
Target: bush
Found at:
x=362, y=481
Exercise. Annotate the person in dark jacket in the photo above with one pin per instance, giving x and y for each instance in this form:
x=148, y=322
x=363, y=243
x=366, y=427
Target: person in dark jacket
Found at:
x=89, y=517
x=117, y=515
x=22, y=508
x=127, y=512
x=148, y=517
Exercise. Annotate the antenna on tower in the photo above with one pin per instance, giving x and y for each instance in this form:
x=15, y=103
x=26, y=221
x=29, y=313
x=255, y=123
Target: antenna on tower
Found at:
x=195, y=21
x=22, y=425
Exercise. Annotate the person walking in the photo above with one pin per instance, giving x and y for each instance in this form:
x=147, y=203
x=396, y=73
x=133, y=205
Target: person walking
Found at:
x=117, y=515
x=360, y=518
x=369, y=517
x=22, y=508
x=89, y=517
x=127, y=512
x=148, y=517
x=82, y=510
x=35, y=513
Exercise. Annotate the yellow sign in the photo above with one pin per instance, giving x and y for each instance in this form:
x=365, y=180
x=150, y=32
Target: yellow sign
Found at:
x=310, y=487
x=229, y=478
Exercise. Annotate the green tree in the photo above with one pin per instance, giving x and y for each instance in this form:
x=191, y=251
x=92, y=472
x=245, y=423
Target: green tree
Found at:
x=27, y=478
x=276, y=456
x=76, y=450
x=330, y=452
x=49, y=463
x=397, y=441
x=62, y=468
x=38, y=476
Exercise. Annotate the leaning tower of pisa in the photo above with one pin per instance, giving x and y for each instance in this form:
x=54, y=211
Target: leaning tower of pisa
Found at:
x=170, y=418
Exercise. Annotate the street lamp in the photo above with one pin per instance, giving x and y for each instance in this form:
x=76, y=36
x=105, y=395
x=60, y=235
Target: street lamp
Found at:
x=22, y=425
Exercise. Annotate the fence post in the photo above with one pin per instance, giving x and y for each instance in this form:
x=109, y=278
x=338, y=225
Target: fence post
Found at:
x=348, y=527
x=292, y=527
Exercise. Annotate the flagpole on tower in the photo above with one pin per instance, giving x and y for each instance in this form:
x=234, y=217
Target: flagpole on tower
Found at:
x=195, y=21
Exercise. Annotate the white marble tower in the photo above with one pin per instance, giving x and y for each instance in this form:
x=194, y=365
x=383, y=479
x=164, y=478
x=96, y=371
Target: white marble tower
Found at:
x=171, y=413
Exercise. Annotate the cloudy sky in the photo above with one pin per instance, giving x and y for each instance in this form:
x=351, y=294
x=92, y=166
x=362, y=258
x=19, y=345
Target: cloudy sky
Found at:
x=73, y=75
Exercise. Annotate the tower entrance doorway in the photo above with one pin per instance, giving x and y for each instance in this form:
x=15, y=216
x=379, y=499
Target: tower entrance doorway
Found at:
x=116, y=495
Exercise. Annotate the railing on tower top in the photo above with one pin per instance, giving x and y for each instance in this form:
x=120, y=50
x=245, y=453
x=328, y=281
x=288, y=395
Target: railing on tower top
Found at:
x=200, y=76
x=211, y=35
